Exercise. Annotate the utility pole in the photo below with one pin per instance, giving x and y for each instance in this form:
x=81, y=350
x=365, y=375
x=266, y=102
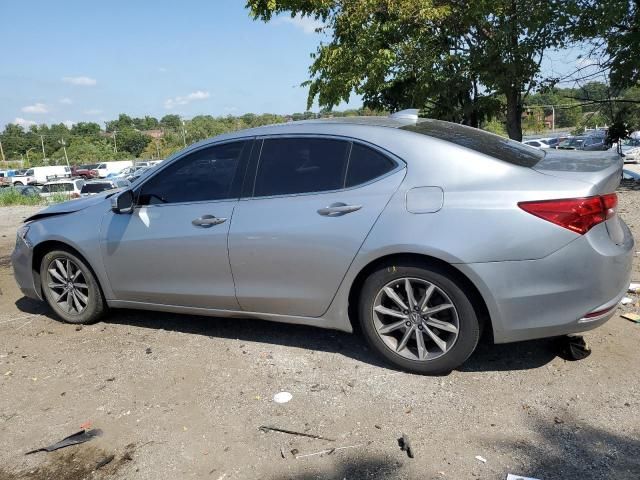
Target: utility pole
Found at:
x=44, y=155
x=64, y=148
x=553, y=118
x=115, y=145
x=2, y=151
x=184, y=135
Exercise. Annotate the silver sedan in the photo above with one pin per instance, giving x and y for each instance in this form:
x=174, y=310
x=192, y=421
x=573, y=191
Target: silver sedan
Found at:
x=423, y=232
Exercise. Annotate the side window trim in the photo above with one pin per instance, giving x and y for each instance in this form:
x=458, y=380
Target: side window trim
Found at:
x=252, y=171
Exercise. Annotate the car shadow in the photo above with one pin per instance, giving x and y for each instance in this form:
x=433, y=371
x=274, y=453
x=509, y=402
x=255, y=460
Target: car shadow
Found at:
x=487, y=357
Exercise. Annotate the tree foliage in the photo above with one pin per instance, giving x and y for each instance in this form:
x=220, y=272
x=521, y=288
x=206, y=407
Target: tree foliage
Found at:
x=452, y=59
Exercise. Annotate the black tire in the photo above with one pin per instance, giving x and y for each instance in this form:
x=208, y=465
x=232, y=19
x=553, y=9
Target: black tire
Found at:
x=95, y=305
x=468, y=332
x=17, y=184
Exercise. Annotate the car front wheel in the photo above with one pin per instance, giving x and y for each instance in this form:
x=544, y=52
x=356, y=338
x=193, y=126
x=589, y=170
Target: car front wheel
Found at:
x=70, y=287
x=418, y=318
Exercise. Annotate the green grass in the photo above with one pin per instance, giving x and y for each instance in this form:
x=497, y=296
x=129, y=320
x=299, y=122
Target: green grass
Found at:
x=9, y=196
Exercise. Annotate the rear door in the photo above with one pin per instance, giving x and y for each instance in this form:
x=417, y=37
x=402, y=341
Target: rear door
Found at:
x=173, y=249
x=313, y=202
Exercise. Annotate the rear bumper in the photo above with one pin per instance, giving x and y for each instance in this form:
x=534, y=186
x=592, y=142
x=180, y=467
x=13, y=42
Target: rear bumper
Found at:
x=554, y=295
x=22, y=261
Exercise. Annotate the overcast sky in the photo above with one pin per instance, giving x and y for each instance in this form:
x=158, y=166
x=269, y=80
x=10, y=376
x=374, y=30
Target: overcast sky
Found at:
x=77, y=61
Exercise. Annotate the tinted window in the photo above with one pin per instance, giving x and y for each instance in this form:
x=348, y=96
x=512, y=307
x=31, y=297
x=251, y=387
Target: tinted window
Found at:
x=204, y=175
x=95, y=187
x=365, y=164
x=475, y=139
x=301, y=165
x=57, y=187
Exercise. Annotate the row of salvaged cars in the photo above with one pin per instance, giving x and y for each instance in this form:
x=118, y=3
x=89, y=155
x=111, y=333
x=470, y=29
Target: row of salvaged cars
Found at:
x=74, y=181
x=592, y=141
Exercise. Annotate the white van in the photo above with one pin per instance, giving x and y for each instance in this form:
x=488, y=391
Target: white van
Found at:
x=105, y=168
x=41, y=175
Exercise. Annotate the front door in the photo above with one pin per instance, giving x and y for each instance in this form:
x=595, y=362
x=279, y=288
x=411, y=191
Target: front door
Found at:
x=173, y=249
x=314, y=202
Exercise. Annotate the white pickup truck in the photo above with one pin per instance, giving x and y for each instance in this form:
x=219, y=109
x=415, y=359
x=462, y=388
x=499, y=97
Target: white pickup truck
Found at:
x=41, y=175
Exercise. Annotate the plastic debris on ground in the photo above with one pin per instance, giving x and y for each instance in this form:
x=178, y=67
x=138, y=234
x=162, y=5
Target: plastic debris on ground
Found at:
x=282, y=397
x=574, y=347
x=511, y=476
x=634, y=317
x=405, y=445
x=78, y=437
x=626, y=301
x=634, y=287
x=481, y=459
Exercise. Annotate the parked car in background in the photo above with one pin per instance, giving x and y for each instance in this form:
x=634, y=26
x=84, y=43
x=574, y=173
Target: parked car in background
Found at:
x=70, y=187
x=105, y=168
x=630, y=175
x=41, y=175
x=138, y=173
x=309, y=222
x=85, y=171
x=27, y=190
x=555, y=141
x=538, y=143
x=93, y=187
x=571, y=143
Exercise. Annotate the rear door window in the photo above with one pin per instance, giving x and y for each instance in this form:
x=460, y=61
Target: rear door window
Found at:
x=478, y=140
x=301, y=165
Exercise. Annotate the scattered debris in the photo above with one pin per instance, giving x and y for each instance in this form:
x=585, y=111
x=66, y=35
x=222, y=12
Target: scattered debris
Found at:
x=558, y=420
x=265, y=429
x=86, y=425
x=511, y=476
x=316, y=387
x=481, y=459
x=378, y=427
x=78, y=437
x=634, y=317
x=282, y=397
x=148, y=350
x=78, y=328
x=111, y=379
x=294, y=451
x=105, y=461
x=634, y=287
x=405, y=445
x=282, y=452
x=328, y=451
x=574, y=347
x=626, y=301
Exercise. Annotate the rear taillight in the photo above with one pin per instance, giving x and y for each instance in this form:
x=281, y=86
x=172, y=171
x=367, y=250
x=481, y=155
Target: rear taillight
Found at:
x=75, y=195
x=576, y=214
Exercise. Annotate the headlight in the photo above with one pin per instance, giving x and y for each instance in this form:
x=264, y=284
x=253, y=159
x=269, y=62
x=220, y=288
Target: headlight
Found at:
x=22, y=235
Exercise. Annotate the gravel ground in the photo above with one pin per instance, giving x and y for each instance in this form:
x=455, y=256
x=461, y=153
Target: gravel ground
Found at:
x=183, y=397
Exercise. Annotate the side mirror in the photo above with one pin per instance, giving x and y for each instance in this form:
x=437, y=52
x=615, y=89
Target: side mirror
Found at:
x=123, y=202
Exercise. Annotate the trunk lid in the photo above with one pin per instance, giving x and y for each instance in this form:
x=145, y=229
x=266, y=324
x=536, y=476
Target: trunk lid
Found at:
x=601, y=170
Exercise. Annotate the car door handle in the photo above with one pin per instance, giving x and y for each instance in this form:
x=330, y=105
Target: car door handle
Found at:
x=338, y=209
x=207, y=221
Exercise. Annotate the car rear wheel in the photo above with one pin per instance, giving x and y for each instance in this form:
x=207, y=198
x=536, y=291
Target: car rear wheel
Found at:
x=70, y=288
x=418, y=318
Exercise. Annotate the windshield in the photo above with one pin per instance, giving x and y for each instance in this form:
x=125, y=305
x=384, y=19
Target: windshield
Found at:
x=90, y=166
x=95, y=187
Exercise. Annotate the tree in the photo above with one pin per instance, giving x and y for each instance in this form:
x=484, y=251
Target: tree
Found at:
x=613, y=27
x=85, y=129
x=171, y=121
x=450, y=58
x=132, y=141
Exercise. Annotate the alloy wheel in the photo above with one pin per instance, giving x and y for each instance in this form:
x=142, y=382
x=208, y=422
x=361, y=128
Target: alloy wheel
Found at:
x=415, y=319
x=68, y=286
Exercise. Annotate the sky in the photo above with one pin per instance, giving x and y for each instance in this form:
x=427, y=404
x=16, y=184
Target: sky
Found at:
x=74, y=61
x=78, y=61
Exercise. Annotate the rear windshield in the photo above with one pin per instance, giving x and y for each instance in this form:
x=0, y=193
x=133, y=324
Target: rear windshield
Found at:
x=57, y=187
x=91, y=166
x=484, y=142
x=95, y=187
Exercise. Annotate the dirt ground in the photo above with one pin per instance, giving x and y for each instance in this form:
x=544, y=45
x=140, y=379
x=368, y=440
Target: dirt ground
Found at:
x=183, y=397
